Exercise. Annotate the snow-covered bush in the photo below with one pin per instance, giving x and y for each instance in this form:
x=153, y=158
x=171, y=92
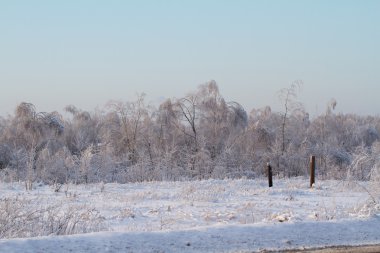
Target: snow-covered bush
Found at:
x=23, y=218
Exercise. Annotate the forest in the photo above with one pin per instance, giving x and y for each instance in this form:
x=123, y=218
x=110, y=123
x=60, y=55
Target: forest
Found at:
x=197, y=136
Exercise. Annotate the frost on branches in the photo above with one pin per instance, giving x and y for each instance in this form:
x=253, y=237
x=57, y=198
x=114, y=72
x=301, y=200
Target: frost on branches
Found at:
x=198, y=136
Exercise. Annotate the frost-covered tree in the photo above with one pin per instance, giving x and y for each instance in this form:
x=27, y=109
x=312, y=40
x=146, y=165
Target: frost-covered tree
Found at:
x=288, y=98
x=127, y=120
x=198, y=136
x=82, y=131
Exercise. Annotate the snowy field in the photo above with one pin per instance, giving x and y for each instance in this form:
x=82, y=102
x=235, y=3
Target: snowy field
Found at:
x=199, y=216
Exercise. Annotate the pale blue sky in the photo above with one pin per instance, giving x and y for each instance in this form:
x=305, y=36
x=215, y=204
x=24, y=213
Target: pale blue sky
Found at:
x=55, y=53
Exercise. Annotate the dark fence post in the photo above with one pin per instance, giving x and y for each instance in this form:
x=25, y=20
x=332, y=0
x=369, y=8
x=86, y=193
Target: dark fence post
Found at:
x=312, y=170
x=270, y=175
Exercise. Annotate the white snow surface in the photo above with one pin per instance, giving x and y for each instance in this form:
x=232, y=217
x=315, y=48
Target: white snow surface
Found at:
x=209, y=216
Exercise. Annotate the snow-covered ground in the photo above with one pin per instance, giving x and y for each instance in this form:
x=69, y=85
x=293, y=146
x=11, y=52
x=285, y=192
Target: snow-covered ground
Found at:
x=206, y=216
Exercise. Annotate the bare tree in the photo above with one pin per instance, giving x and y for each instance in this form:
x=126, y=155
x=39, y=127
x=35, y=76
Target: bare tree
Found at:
x=129, y=117
x=288, y=97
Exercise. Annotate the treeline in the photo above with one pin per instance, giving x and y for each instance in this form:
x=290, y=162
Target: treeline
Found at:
x=198, y=136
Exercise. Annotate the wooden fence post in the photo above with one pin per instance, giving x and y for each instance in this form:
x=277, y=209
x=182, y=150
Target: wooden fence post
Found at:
x=270, y=175
x=312, y=170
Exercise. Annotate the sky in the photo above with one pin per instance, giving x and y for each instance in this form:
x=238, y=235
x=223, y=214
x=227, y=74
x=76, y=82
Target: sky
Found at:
x=87, y=52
